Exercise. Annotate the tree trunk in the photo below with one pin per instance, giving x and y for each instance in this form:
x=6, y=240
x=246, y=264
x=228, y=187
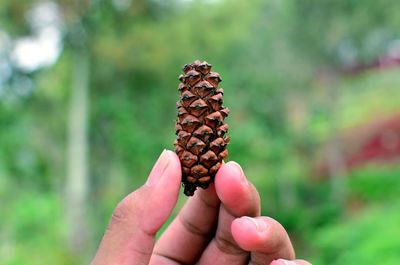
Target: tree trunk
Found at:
x=77, y=169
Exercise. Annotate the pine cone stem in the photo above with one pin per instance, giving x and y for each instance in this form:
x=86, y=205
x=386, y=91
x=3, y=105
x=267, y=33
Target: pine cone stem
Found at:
x=200, y=128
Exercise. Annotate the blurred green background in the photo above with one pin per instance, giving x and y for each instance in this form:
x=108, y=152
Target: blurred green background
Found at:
x=87, y=103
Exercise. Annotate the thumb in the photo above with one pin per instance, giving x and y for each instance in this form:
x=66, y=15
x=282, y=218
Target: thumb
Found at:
x=129, y=238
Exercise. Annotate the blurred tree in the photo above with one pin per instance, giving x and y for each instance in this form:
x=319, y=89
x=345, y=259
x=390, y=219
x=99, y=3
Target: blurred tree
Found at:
x=77, y=180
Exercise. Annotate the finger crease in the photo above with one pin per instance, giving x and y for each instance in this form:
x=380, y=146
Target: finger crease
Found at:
x=228, y=247
x=169, y=258
x=192, y=228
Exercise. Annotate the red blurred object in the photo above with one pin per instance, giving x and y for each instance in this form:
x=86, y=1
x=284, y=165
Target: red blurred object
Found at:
x=377, y=141
x=386, y=61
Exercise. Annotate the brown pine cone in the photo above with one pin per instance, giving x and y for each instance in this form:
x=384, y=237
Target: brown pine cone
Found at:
x=201, y=132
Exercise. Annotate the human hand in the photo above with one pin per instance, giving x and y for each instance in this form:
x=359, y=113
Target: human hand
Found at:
x=219, y=225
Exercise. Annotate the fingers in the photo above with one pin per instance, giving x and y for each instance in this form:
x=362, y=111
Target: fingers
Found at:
x=290, y=262
x=190, y=231
x=238, y=198
x=130, y=236
x=264, y=237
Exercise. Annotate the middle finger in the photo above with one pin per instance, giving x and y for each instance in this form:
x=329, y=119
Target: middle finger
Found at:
x=190, y=231
x=239, y=198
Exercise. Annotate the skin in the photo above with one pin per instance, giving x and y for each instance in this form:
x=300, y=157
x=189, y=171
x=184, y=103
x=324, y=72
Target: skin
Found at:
x=219, y=225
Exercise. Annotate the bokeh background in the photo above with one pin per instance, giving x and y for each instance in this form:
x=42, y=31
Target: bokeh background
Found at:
x=87, y=103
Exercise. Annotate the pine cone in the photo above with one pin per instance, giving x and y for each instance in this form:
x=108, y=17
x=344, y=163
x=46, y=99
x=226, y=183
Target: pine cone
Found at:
x=201, y=132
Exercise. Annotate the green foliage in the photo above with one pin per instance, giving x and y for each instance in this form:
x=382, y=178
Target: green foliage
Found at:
x=368, y=237
x=375, y=184
x=32, y=229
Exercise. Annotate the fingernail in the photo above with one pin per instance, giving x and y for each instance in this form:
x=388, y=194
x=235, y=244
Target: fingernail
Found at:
x=259, y=224
x=158, y=169
x=283, y=262
x=239, y=170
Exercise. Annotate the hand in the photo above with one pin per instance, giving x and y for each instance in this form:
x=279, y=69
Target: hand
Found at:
x=219, y=225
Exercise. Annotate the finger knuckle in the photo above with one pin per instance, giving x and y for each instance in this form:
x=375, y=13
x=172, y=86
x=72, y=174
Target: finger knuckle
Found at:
x=119, y=213
x=118, y=217
x=280, y=233
x=193, y=228
x=122, y=211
